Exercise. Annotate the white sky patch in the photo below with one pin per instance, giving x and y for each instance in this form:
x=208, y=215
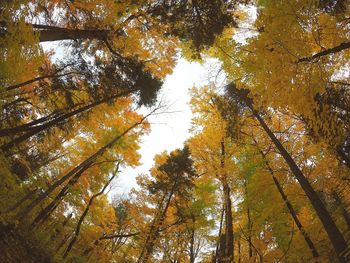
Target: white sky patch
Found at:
x=168, y=131
x=246, y=28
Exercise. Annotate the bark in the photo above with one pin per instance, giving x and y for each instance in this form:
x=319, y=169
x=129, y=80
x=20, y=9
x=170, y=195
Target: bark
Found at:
x=119, y=236
x=222, y=247
x=75, y=173
x=16, y=101
x=326, y=52
x=58, y=231
x=229, y=228
x=147, y=249
x=28, y=196
x=296, y=219
x=51, y=33
x=192, y=249
x=64, y=240
x=46, y=124
x=333, y=232
x=24, y=127
x=343, y=158
x=44, y=214
x=48, y=76
x=229, y=253
x=249, y=225
x=291, y=210
x=82, y=217
x=344, y=212
x=239, y=251
x=219, y=234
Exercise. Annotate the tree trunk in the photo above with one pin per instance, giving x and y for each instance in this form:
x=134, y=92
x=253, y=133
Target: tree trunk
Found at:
x=334, y=234
x=48, y=76
x=64, y=240
x=326, y=52
x=76, y=170
x=58, y=231
x=228, y=228
x=222, y=247
x=192, y=250
x=228, y=208
x=239, y=250
x=340, y=204
x=296, y=219
x=44, y=213
x=343, y=158
x=58, y=119
x=250, y=251
x=82, y=217
x=290, y=207
x=50, y=33
x=28, y=196
x=147, y=249
x=219, y=234
x=25, y=127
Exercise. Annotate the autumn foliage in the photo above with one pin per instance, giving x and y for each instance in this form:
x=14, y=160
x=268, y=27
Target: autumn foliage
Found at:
x=263, y=176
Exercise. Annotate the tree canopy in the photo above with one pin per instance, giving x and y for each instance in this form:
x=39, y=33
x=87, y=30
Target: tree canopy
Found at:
x=263, y=176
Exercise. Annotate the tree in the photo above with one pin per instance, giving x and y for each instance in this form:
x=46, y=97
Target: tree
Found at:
x=213, y=150
x=329, y=225
x=173, y=179
x=72, y=177
x=294, y=68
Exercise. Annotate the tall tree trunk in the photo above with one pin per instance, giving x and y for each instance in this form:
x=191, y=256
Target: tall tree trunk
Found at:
x=219, y=234
x=46, y=124
x=44, y=213
x=52, y=33
x=296, y=219
x=239, y=250
x=250, y=251
x=48, y=76
x=64, y=240
x=307, y=238
x=58, y=231
x=340, y=204
x=326, y=52
x=343, y=158
x=334, y=234
x=25, y=198
x=74, y=174
x=229, y=253
x=82, y=217
x=222, y=248
x=147, y=249
x=192, y=249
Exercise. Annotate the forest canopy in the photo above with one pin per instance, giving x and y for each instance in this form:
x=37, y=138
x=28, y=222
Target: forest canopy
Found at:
x=263, y=176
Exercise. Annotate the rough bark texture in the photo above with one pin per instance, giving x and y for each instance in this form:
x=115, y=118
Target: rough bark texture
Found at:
x=227, y=246
x=47, y=33
x=334, y=234
x=326, y=52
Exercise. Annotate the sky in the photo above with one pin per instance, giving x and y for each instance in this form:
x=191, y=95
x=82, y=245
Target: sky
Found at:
x=169, y=130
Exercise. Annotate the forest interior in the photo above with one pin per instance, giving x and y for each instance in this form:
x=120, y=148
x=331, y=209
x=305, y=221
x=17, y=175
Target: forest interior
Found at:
x=262, y=176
